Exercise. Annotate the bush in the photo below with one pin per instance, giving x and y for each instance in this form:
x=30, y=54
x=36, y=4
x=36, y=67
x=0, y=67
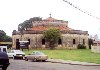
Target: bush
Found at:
x=81, y=46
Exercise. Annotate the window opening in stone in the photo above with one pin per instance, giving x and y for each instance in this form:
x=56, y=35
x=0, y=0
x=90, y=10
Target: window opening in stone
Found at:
x=43, y=41
x=59, y=41
x=74, y=42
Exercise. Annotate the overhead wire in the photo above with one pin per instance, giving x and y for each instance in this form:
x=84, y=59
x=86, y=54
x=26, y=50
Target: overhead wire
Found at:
x=81, y=9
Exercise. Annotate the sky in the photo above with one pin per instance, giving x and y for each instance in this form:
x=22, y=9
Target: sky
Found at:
x=14, y=12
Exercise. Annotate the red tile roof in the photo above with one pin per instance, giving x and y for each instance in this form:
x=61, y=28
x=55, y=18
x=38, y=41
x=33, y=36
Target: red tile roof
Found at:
x=41, y=28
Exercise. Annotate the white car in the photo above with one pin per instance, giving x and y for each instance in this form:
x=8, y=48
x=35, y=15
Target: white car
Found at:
x=16, y=54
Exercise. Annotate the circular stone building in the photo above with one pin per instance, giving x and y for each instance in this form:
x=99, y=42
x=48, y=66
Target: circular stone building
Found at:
x=70, y=38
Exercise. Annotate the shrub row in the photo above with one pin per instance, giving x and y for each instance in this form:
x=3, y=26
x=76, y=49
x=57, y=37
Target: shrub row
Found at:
x=81, y=46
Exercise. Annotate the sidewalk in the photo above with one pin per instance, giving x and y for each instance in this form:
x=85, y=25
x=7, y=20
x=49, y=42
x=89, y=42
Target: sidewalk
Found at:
x=72, y=62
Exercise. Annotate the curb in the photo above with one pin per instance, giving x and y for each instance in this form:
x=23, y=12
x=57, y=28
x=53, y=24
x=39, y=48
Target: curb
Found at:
x=72, y=62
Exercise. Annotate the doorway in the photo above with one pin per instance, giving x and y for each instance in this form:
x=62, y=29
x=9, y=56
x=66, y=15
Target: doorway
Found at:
x=17, y=44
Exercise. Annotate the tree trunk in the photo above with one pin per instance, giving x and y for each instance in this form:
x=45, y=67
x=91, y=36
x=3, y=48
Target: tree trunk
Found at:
x=52, y=45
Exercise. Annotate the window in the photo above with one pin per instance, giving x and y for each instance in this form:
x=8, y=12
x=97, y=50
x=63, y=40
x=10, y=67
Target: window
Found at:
x=74, y=42
x=83, y=41
x=59, y=41
x=43, y=41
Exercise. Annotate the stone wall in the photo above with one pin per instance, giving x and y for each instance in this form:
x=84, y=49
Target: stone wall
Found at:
x=95, y=49
x=67, y=40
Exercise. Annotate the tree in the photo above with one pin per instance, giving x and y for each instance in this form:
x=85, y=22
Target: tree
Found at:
x=7, y=39
x=52, y=35
x=90, y=42
x=23, y=26
x=4, y=37
x=28, y=23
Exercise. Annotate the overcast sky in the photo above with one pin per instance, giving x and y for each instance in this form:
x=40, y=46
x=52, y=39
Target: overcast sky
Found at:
x=14, y=12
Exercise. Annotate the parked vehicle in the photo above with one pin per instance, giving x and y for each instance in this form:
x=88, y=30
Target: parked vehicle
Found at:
x=4, y=60
x=36, y=55
x=3, y=48
x=16, y=54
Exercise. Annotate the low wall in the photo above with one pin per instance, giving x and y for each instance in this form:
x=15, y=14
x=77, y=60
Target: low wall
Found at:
x=95, y=49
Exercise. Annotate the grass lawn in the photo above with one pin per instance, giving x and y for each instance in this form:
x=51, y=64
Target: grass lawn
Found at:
x=76, y=55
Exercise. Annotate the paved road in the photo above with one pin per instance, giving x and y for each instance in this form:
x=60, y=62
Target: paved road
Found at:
x=29, y=65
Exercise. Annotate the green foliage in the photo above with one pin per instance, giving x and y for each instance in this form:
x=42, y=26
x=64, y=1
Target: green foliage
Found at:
x=7, y=39
x=28, y=23
x=24, y=25
x=90, y=42
x=81, y=46
x=52, y=35
x=4, y=37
